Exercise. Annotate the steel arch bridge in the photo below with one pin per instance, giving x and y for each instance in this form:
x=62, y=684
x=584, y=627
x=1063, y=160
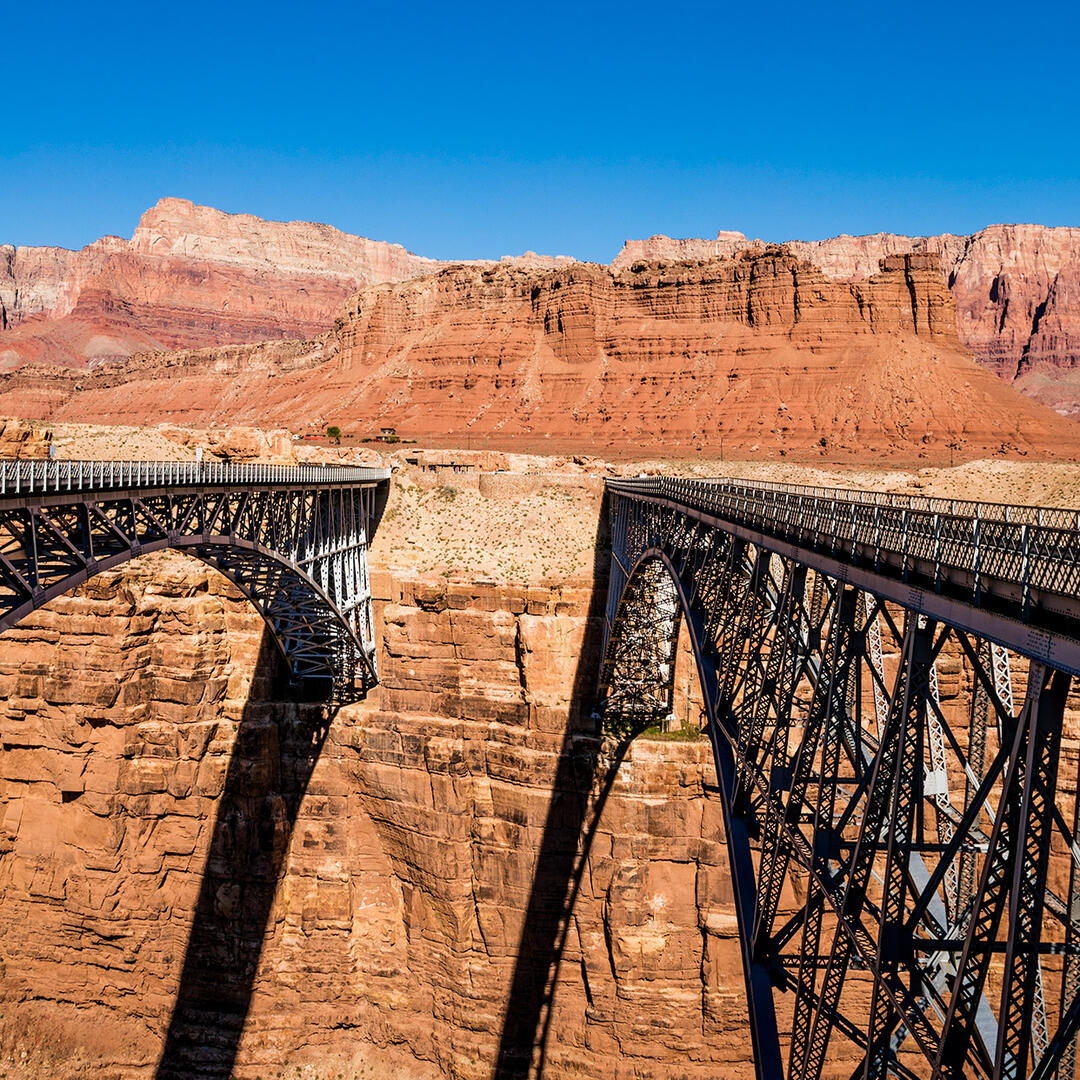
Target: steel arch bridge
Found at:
x=900, y=812
x=293, y=539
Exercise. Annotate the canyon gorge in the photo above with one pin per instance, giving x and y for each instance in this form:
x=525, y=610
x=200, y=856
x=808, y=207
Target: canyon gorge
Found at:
x=357, y=908
x=242, y=886
x=459, y=877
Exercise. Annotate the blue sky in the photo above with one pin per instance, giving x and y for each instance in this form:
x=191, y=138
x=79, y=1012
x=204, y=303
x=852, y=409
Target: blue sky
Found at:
x=469, y=130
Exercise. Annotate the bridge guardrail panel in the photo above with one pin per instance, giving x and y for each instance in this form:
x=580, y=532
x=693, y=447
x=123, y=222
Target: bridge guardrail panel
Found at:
x=42, y=477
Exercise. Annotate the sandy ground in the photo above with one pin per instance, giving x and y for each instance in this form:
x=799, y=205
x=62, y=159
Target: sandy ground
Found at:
x=450, y=530
x=447, y=528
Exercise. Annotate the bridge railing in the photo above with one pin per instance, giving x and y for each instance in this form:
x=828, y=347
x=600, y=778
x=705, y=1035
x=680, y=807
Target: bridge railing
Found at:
x=965, y=543
x=988, y=511
x=43, y=477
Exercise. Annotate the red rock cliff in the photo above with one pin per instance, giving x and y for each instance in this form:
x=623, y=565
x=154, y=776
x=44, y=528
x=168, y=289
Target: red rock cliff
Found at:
x=762, y=353
x=1016, y=287
x=151, y=810
x=189, y=276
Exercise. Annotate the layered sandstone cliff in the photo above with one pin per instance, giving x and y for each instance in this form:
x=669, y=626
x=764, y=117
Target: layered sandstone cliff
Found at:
x=196, y=879
x=1016, y=287
x=190, y=276
x=193, y=276
x=761, y=353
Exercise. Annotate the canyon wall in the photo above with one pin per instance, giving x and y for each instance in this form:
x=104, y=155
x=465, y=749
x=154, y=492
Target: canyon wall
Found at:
x=187, y=863
x=1016, y=287
x=190, y=276
x=757, y=354
x=199, y=880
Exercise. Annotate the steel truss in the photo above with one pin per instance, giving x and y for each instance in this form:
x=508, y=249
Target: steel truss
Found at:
x=293, y=540
x=905, y=864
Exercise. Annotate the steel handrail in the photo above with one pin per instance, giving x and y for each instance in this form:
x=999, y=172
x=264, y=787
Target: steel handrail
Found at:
x=44, y=477
x=1035, y=549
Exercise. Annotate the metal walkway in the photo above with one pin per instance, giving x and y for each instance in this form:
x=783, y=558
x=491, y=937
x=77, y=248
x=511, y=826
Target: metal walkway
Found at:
x=293, y=539
x=884, y=681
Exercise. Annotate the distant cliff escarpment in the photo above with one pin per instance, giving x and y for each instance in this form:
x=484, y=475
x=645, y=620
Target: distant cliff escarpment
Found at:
x=194, y=278
x=760, y=353
x=190, y=276
x=1016, y=288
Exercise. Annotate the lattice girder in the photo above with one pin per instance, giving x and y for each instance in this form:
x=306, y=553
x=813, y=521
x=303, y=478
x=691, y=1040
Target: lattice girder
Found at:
x=297, y=550
x=916, y=823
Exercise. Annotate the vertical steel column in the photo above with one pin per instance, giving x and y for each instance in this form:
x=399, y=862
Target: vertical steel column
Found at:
x=829, y=716
x=1030, y=864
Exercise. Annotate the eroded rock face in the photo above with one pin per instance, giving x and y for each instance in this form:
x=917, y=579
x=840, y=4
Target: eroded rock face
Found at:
x=1016, y=287
x=190, y=276
x=364, y=908
x=22, y=439
x=188, y=863
x=762, y=353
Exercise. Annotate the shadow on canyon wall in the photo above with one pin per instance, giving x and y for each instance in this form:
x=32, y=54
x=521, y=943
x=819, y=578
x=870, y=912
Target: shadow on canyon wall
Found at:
x=274, y=755
x=582, y=783
x=276, y=748
x=271, y=763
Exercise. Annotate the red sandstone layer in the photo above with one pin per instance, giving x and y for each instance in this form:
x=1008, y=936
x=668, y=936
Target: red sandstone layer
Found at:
x=190, y=276
x=762, y=353
x=1016, y=287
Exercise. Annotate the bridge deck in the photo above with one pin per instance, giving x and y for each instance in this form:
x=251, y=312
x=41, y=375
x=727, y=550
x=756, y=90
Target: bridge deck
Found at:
x=1009, y=573
x=30, y=480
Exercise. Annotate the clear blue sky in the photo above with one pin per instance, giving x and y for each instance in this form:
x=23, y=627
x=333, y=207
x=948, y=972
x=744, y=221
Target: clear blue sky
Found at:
x=477, y=129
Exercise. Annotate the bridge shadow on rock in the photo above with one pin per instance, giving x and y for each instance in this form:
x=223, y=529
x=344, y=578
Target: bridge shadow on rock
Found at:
x=583, y=780
x=272, y=760
x=274, y=754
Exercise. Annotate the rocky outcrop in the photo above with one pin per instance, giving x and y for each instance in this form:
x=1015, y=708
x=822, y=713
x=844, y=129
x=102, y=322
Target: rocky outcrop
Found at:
x=659, y=248
x=190, y=276
x=1016, y=287
x=23, y=439
x=758, y=354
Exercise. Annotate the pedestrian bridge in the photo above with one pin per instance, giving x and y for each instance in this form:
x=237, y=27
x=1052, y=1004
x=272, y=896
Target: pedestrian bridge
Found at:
x=293, y=539
x=884, y=683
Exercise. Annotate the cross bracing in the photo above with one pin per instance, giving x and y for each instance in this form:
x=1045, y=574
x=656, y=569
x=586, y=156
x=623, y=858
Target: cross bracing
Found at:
x=884, y=684
x=293, y=539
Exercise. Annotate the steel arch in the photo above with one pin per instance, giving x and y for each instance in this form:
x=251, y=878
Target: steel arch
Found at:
x=292, y=539
x=921, y=855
